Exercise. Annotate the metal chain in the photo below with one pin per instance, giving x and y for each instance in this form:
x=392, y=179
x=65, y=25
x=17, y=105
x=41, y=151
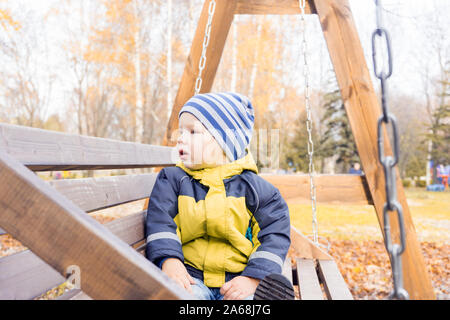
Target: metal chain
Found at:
x=388, y=162
x=311, y=168
x=202, y=62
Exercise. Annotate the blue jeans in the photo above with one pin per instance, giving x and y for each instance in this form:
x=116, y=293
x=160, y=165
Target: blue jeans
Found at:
x=202, y=292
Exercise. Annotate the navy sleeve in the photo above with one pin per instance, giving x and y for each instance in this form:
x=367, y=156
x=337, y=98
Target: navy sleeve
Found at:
x=272, y=216
x=159, y=262
x=161, y=229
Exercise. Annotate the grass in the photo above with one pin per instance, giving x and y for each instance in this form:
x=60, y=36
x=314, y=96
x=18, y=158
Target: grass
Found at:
x=430, y=212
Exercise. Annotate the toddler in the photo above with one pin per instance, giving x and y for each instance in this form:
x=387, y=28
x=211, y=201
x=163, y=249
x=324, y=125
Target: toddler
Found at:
x=213, y=225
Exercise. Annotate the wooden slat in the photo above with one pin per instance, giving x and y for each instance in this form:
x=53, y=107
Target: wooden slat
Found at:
x=308, y=282
x=129, y=229
x=92, y=194
x=305, y=248
x=272, y=7
x=74, y=294
x=140, y=247
x=287, y=269
x=333, y=282
x=43, y=150
x=363, y=110
x=330, y=189
x=61, y=234
x=223, y=16
x=25, y=276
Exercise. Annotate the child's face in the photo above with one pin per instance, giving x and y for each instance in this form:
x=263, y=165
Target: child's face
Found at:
x=196, y=146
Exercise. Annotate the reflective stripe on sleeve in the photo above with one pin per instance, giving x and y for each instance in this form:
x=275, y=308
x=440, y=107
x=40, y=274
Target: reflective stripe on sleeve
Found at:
x=163, y=235
x=267, y=255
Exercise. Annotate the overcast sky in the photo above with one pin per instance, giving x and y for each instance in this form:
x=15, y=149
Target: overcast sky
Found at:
x=409, y=23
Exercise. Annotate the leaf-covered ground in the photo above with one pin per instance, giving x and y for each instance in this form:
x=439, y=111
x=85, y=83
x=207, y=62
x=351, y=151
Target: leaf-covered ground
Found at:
x=365, y=266
x=353, y=236
x=354, y=240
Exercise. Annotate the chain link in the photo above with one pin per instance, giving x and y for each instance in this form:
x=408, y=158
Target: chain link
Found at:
x=309, y=123
x=202, y=62
x=389, y=162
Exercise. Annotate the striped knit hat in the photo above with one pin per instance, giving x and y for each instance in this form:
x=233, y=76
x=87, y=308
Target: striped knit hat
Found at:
x=229, y=117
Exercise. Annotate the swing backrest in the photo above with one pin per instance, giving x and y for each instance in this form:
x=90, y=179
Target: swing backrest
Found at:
x=24, y=275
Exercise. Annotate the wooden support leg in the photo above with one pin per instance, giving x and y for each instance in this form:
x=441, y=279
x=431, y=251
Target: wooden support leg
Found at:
x=363, y=111
x=223, y=17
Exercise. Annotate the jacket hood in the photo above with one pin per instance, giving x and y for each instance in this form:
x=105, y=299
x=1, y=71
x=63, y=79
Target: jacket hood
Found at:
x=216, y=175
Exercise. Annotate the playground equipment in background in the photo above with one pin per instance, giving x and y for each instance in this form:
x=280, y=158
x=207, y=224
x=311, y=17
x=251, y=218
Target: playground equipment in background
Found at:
x=442, y=173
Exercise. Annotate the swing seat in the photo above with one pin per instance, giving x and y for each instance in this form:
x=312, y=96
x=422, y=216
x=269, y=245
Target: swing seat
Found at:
x=49, y=217
x=317, y=279
x=313, y=272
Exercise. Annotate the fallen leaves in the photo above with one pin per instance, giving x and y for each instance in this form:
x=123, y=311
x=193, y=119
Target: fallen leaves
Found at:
x=366, y=268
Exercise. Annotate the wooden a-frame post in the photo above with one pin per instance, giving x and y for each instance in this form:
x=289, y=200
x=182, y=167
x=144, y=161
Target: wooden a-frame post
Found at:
x=357, y=92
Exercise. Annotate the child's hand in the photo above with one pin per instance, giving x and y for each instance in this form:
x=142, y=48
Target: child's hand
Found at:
x=176, y=270
x=239, y=288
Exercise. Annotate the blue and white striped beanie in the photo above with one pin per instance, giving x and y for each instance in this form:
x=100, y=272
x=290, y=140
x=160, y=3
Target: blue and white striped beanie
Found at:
x=229, y=117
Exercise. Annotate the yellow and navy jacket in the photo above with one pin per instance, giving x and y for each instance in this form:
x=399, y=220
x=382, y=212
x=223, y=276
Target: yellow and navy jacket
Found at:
x=221, y=222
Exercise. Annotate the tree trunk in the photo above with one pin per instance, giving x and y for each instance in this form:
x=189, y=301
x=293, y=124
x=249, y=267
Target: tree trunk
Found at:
x=139, y=110
x=169, y=58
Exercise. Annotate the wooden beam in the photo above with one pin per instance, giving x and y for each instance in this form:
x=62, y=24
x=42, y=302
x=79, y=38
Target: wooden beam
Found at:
x=93, y=194
x=74, y=294
x=272, y=7
x=44, y=150
x=24, y=275
x=62, y=235
x=363, y=111
x=223, y=17
x=333, y=283
x=305, y=248
x=308, y=282
x=287, y=269
x=330, y=189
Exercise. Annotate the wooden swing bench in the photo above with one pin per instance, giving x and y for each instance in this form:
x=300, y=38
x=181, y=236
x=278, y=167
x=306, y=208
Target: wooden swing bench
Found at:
x=49, y=217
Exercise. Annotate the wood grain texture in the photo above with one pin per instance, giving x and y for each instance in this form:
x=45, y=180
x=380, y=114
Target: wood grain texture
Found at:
x=272, y=7
x=92, y=194
x=363, y=110
x=330, y=189
x=333, y=282
x=61, y=234
x=25, y=276
x=223, y=17
x=74, y=294
x=308, y=282
x=305, y=248
x=44, y=150
x=287, y=269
